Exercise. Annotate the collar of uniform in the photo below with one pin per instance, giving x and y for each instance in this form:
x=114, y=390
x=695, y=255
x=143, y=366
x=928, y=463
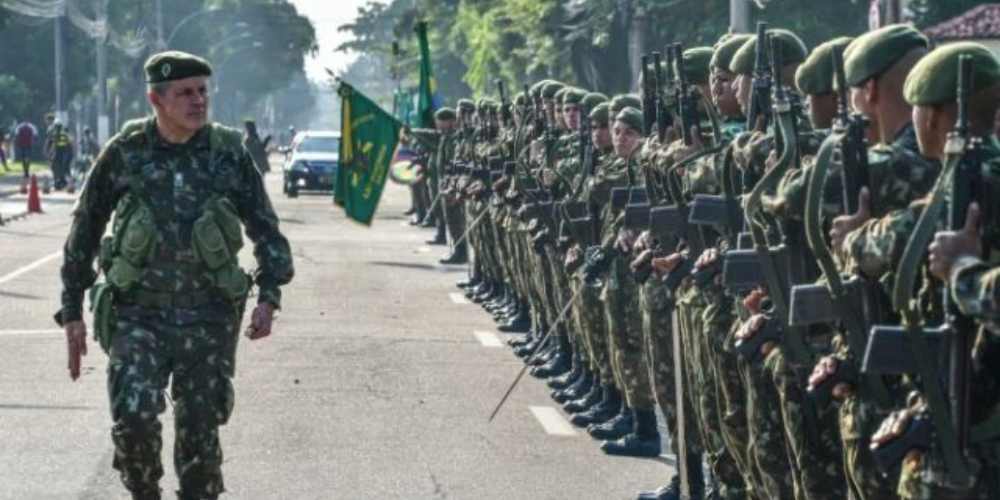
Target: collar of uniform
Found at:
x=906, y=137
x=198, y=141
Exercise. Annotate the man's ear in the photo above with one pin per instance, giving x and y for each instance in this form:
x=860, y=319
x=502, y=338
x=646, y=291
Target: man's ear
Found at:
x=154, y=99
x=871, y=92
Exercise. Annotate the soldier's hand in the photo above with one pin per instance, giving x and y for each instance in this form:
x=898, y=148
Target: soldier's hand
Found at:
x=643, y=242
x=666, y=265
x=76, y=342
x=844, y=224
x=641, y=260
x=754, y=302
x=825, y=368
x=707, y=258
x=624, y=242
x=260, y=321
x=949, y=246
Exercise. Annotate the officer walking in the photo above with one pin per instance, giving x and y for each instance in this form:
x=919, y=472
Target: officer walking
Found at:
x=173, y=293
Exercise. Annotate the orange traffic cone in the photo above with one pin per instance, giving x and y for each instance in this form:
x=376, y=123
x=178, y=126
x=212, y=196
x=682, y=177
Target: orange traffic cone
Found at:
x=34, y=200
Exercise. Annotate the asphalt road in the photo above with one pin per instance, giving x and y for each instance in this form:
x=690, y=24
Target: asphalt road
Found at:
x=375, y=384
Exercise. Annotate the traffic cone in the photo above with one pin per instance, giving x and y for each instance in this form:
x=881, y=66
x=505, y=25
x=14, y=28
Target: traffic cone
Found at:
x=34, y=200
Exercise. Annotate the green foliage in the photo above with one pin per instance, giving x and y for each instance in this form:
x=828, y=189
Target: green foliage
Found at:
x=14, y=98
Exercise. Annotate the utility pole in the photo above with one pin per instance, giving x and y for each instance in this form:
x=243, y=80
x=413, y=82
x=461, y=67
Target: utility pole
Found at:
x=103, y=128
x=739, y=16
x=60, y=110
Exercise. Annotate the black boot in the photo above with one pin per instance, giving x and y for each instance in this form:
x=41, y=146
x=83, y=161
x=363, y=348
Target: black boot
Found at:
x=616, y=428
x=580, y=397
x=669, y=491
x=576, y=389
x=146, y=494
x=606, y=409
x=438, y=239
x=643, y=441
x=569, y=378
x=558, y=364
x=520, y=324
x=458, y=256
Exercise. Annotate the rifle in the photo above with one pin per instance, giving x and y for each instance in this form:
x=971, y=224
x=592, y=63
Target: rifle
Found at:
x=663, y=117
x=648, y=97
x=687, y=98
x=505, y=113
x=760, y=94
x=586, y=151
x=959, y=184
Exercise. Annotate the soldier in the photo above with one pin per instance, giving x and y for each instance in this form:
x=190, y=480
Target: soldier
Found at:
x=439, y=142
x=956, y=259
x=174, y=294
x=454, y=211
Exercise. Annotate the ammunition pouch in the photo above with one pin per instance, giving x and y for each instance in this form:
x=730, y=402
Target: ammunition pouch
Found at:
x=102, y=305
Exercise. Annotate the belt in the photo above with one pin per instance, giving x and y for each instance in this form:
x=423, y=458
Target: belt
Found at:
x=169, y=254
x=168, y=300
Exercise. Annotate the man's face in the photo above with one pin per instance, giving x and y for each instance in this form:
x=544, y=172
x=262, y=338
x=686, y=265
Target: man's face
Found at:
x=931, y=134
x=444, y=126
x=600, y=135
x=625, y=139
x=184, y=105
x=742, y=86
x=571, y=114
x=822, y=109
x=723, y=93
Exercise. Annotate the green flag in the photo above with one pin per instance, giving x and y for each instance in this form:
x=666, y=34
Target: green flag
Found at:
x=429, y=100
x=368, y=137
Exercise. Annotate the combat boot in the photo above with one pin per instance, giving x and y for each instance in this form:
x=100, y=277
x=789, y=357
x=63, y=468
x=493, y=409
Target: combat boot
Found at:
x=458, y=256
x=581, y=397
x=146, y=494
x=569, y=378
x=672, y=490
x=559, y=363
x=521, y=323
x=616, y=428
x=643, y=441
x=604, y=410
x=577, y=390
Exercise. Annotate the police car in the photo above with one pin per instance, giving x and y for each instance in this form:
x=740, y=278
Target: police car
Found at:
x=311, y=162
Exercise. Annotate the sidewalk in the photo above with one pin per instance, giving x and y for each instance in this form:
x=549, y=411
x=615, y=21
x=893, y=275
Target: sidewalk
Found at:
x=10, y=184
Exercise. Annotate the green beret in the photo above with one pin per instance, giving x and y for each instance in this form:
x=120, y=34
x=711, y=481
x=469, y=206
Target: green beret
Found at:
x=726, y=49
x=815, y=76
x=445, y=114
x=558, y=98
x=520, y=99
x=695, y=64
x=623, y=101
x=600, y=114
x=536, y=89
x=591, y=100
x=869, y=55
x=466, y=105
x=632, y=117
x=175, y=65
x=550, y=89
x=573, y=95
x=792, y=51
x=934, y=80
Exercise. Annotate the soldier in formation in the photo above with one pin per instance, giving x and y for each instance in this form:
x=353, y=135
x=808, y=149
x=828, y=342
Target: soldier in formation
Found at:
x=787, y=255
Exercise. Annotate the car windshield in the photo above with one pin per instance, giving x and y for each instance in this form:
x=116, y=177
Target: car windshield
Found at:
x=319, y=145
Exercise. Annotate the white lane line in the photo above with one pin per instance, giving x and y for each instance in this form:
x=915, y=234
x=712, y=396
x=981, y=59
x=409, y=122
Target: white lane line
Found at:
x=30, y=267
x=488, y=339
x=51, y=331
x=458, y=298
x=552, y=421
x=424, y=250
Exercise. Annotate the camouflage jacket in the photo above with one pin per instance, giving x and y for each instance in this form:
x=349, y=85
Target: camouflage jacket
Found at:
x=178, y=180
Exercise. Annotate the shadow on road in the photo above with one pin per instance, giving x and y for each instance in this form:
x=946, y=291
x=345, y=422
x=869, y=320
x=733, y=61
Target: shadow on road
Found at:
x=43, y=407
x=14, y=295
x=405, y=265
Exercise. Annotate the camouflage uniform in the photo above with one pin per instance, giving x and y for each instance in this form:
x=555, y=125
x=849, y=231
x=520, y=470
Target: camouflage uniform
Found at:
x=172, y=322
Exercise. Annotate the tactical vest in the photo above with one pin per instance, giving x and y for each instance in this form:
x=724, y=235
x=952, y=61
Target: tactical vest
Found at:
x=216, y=239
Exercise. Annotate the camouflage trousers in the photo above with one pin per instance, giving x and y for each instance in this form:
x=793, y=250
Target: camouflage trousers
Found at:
x=811, y=436
x=593, y=326
x=698, y=342
x=858, y=419
x=924, y=478
x=768, y=453
x=454, y=219
x=723, y=397
x=658, y=332
x=150, y=349
x=625, y=342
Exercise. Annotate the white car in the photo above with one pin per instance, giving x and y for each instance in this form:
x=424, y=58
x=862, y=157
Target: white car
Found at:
x=311, y=163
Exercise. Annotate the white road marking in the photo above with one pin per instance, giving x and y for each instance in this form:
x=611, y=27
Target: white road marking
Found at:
x=552, y=421
x=30, y=267
x=488, y=339
x=424, y=250
x=458, y=298
x=50, y=331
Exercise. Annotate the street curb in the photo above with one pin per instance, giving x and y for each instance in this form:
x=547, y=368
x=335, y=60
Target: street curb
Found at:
x=8, y=192
x=17, y=216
